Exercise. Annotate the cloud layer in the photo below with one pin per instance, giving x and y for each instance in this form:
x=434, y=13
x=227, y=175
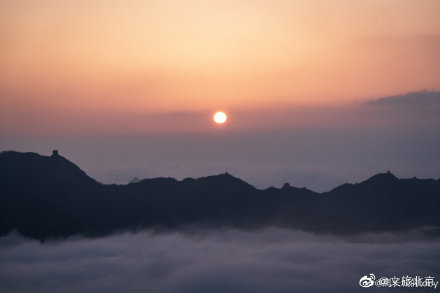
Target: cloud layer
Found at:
x=420, y=98
x=272, y=260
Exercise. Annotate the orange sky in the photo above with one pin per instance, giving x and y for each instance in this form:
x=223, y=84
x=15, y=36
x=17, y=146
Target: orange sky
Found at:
x=88, y=65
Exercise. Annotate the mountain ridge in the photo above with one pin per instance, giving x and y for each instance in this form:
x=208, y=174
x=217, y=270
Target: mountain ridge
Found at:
x=49, y=197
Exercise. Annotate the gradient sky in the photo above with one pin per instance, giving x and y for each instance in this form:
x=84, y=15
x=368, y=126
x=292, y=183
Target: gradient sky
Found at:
x=63, y=62
x=128, y=88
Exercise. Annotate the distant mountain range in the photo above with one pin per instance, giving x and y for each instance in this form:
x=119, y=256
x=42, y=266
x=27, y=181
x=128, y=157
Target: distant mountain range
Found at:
x=49, y=197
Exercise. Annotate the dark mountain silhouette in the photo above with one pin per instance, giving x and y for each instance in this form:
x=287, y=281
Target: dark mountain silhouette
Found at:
x=135, y=180
x=48, y=197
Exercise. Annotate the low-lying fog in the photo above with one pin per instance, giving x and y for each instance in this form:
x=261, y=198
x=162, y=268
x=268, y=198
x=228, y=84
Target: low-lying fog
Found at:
x=269, y=260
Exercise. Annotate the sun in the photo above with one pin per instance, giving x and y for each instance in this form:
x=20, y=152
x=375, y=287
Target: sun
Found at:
x=220, y=117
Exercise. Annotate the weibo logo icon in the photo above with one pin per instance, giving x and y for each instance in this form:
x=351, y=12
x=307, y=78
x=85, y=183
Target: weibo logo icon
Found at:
x=367, y=281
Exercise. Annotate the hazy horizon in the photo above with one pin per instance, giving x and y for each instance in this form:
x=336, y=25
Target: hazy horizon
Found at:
x=332, y=146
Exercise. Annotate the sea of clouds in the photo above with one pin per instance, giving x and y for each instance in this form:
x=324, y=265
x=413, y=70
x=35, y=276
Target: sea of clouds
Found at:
x=269, y=260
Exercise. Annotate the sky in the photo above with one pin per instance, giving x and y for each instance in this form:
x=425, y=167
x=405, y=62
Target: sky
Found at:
x=128, y=88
